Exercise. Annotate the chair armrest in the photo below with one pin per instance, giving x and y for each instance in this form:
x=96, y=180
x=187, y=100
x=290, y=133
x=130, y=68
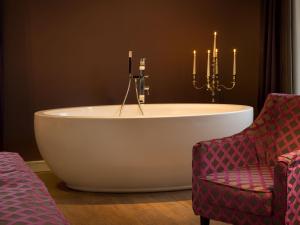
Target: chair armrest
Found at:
x=291, y=159
x=290, y=185
x=223, y=154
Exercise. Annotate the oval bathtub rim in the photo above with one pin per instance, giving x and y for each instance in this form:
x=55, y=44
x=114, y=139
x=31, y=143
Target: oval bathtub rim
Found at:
x=43, y=113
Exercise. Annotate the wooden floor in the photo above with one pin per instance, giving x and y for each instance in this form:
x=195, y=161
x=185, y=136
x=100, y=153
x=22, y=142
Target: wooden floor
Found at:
x=85, y=208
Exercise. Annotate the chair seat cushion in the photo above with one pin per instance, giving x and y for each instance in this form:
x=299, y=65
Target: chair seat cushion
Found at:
x=247, y=189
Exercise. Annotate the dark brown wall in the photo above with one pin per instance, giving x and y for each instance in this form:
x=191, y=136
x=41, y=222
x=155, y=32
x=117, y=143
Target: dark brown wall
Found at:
x=72, y=53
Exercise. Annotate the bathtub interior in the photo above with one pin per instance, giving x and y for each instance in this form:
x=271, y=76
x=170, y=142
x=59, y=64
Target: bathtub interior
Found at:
x=150, y=110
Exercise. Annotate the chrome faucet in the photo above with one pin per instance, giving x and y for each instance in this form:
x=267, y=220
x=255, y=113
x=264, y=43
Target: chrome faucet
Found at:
x=142, y=87
x=139, y=83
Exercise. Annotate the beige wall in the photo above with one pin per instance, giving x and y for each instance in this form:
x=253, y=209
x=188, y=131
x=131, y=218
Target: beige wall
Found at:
x=73, y=53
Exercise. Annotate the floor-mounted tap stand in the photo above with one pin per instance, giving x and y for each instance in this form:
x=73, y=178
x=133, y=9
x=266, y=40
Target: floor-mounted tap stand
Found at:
x=138, y=80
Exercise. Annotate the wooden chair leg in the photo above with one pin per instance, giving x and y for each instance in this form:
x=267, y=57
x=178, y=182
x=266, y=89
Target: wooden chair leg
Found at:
x=204, y=220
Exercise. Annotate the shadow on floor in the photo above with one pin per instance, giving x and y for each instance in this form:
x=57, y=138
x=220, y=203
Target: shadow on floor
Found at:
x=64, y=195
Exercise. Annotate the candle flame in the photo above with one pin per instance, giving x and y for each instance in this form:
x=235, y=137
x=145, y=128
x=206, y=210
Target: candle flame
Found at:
x=215, y=33
x=208, y=51
x=130, y=54
x=217, y=50
x=194, y=52
x=234, y=50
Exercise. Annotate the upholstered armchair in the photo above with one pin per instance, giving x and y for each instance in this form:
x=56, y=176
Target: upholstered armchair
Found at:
x=252, y=177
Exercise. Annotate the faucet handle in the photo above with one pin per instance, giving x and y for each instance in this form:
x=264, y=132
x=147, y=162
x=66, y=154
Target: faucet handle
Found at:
x=147, y=89
x=142, y=66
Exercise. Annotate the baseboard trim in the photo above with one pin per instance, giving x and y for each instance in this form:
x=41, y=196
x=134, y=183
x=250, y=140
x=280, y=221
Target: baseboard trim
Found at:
x=38, y=166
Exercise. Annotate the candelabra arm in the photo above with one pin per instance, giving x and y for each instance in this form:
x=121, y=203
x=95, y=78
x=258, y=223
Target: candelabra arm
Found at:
x=227, y=88
x=198, y=88
x=195, y=84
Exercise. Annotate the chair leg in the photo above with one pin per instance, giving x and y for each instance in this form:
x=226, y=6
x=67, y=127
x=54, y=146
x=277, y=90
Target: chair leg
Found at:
x=204, y=220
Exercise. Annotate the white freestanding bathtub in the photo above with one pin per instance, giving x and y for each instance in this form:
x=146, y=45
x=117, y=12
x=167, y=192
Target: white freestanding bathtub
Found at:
x=93, y=149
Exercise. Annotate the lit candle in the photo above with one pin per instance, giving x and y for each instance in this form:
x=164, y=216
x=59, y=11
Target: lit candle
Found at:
x=234, y=62
x=215, y=44
x=217, y=66
x=208, y=63
x=129, y=60
x=194, y=63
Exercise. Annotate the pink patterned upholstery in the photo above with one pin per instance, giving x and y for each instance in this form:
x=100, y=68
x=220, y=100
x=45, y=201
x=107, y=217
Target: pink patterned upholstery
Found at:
x=253, y=177
x=292, y=161
x=24, y=199
x=257, y=178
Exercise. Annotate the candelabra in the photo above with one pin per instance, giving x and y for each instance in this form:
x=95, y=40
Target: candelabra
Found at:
x=212, y=73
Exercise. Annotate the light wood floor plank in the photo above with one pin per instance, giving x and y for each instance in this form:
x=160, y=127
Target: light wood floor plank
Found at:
x=87, y=208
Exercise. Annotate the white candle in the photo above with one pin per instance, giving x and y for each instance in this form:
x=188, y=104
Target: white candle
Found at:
x=215, y=44
x=194, y=63
x=234, y=62
x=217, y=66
x=208, y=63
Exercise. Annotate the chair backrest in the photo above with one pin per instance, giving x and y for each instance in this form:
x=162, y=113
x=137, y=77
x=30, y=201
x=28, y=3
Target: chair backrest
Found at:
x=277, y=128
